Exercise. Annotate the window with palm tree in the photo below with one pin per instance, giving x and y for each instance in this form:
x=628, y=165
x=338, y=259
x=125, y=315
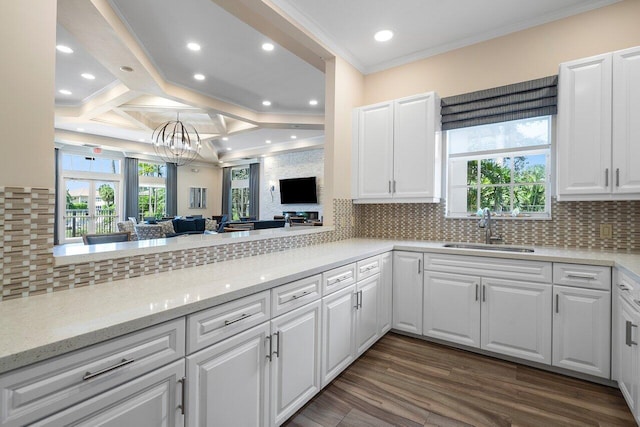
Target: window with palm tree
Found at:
x=152, y=190
x=502, y=166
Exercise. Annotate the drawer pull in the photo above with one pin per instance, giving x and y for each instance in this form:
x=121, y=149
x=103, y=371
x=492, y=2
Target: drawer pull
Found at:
x=242, y=317
x=183, y=383
x=277, y=352
x=268, y=338
x=628, y=338
x=581, y=276
x=624, y=287
x=88, y=375
x=294, y=297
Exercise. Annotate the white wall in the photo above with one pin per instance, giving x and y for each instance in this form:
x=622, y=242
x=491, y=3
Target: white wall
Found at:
x=208, y=177
x=298, y=164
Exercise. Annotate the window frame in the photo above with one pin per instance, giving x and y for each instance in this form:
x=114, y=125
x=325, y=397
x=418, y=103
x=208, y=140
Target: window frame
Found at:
x=506, y=152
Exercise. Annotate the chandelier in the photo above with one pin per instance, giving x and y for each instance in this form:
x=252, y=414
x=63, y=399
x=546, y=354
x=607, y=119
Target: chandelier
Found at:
x=176, y=142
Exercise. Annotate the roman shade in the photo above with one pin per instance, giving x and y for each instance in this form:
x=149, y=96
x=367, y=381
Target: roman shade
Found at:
x=226, y=192
x=172, y=190
x=254, y=190
x=131, y=187
x=523, y=100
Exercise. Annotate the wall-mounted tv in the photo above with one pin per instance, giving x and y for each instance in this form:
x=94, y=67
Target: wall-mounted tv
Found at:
x=298, y=190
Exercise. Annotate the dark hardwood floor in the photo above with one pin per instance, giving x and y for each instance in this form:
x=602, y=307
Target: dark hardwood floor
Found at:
x=403, y=381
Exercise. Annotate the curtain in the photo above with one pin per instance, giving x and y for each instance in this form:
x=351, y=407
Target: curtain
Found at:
x=523, y=100
x=226, y=192
x=254, y=190
x=172, y=190
x=56, y=216
x=130, y=187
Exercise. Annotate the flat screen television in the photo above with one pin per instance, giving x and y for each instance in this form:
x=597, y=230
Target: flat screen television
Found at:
x=298, y=190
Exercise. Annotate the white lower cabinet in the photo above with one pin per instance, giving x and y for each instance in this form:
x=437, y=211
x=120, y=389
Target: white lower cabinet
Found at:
x=338, y=332
x=367, y=292
x=295, y=360
x=385, y=294
x=407, y=291
x=582, y=330
x=452, y=308
x=515, y=319
x=504, y=316
x=153, y=400
x=228, y=383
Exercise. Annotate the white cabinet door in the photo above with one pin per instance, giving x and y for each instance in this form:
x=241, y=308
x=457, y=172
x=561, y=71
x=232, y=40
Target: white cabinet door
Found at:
x=584, y=126
x=582, y=330
x=228, y=383
x=626, y=126
x=153, y=400
x=295, y=360
x=338, y=332
x=516, y=319
x=416, y=161
x=367, y=313
x=385, y=293
x=629, y=355
x=452, y=308
x=407, y=291
x=375, y=151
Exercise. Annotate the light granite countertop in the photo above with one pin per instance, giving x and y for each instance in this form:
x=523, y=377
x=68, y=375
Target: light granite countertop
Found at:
x=40, y=327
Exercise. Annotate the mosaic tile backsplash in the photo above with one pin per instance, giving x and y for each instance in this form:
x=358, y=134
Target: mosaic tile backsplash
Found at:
x=26, y=231
x=573, y=225
x=27, y=222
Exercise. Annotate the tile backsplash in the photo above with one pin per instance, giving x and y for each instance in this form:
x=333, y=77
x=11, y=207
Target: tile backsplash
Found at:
x=27, y=222
x=572, y=225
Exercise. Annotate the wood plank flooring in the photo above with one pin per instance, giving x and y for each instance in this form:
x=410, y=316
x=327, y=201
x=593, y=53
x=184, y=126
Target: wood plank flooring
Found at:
x=403, y=381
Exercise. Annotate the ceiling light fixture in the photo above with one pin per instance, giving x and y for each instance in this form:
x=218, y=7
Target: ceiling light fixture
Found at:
x=266, y=103
x=224, y=138
x=313, y=102
x=268, y=141
x=199, y=76
x=64, y=49
x=294, y=137
x=193, y=46
x=126, y=69
x=268, y=47
x=141, y=139
x=80, y=129
x=176, y=142
x=88, y=76
x=383, y=35
x=228, y=148
x=65, y=92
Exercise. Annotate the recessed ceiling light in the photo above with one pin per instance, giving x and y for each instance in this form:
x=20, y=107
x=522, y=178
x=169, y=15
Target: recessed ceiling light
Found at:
x=64, y=49
x=313, y=102
x=193, y=46
x=293, y=137
x=88, y=76
x=199, y=76
x=268, y=47
x=65, y=91
x=266, y=103
x=268, y=141
x=220, y=161
x=141, y=139
x=224, y=138
x=126, y=68
x=228, y=148
x=80, y=129
x=383, y=35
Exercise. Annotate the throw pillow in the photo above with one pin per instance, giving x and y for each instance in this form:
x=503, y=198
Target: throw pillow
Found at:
x=128, y=226
x=149, y=231
x=210, y=224
x=167, y=227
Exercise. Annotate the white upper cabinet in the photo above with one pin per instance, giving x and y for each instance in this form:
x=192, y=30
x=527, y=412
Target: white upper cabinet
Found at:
x=597, y=100
x=397, y=151
x=626, y=126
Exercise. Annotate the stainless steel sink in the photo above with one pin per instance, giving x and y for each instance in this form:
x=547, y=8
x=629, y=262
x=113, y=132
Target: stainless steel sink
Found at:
x=481, y=247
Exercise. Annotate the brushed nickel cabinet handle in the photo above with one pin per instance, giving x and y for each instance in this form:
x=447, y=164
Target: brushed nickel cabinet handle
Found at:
x=557, y=303
x=268, y=338
x=394, y=185
x=617, y=177
x=606, y=177
x=419, y=266
x=628, y=338
x=477, y=286
x=484, y=293
x=242, y=317
x=581, y=276
x=277, y=352
x=294, y=297
x=183, y=382
x=360, y=299
x=124, y=362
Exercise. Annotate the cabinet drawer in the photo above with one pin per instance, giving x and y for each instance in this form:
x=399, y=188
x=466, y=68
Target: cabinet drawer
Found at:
x=532, y=271
x=215, y=324
x=582, y=276
x=338, y=278
x=39, y=390
x=367, y=268
x=296, y=294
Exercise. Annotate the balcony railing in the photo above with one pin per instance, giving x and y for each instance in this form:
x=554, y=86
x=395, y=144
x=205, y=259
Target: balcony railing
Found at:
x=79, y=221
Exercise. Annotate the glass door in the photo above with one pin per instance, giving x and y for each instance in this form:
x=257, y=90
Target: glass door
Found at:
x=90, y=208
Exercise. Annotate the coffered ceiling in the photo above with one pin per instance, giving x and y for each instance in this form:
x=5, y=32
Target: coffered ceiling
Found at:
x=142, y=72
